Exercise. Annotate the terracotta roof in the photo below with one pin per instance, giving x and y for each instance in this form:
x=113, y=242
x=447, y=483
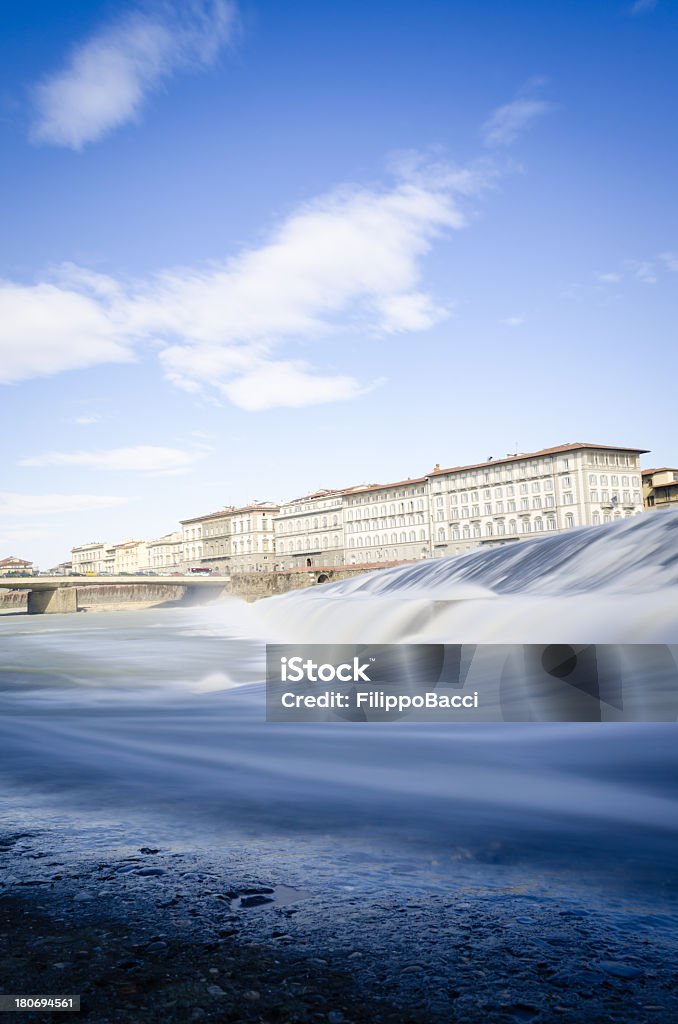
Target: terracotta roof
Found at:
x=14, y=561
x=231, y=511
x=661, y=469
x=571, y=447
x=384, y=487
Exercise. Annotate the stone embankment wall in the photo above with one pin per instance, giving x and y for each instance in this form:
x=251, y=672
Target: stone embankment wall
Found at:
x=255, y=585
x=13, y=601
x=132, y=593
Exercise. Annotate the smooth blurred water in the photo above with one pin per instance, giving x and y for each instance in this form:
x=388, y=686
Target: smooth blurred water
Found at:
x=158, y=716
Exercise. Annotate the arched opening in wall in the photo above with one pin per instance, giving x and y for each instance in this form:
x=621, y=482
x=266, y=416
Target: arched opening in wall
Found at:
x=323, y=578
x=309, y=563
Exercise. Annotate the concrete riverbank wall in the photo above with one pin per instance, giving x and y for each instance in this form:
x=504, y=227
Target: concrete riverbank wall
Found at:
x=100, y=597
x=13, y=601
x=254, y=585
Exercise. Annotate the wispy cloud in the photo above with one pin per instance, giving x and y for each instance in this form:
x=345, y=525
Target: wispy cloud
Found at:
x=345, y=263
x=643, y=271
x=513, y=321
x=45, y=505
x=609, y=278
x=643, y=6
x=670, y=260
x=86, y=421
x=509, y=121
x=47, y=328
x=141, y=458
x=108, y=77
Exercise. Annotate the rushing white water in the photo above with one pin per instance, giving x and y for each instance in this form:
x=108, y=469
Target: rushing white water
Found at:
x=161, y=712
x=613, y=584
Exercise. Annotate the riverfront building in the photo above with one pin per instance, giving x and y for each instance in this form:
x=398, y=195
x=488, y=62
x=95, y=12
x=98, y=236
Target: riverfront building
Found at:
x=444, y=512
x=253, y=537
x=14, y=566
x=309, y=531
x=91, y=559
x=129, y=557
x=388, y=522
x=165, y=553
x=660, y=488
x=530, y=494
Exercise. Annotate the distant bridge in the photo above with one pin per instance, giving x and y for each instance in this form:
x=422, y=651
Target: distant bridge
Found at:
x=49, y=594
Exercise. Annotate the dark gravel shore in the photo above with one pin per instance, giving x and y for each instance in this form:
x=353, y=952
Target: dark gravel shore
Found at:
x=160, y=936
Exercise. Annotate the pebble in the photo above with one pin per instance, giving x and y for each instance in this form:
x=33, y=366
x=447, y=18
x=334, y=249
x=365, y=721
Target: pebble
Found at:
x=255, y=901
x=150, y=872
x=215, y=990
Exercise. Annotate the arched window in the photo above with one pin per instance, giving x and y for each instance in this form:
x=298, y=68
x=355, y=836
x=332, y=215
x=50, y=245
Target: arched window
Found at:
x=596, y=518
x=441, y=534
x=324, y=543
x=324, y=522
x=467, y=532
x=569, y=521
x=539, y=524
x=455, y=533
x=422, y=535
x=403, y=538
x=512, y=526
x=501, y=529
x=526, y=526
x=550, y=523
x=489, y=530
x=413, y=536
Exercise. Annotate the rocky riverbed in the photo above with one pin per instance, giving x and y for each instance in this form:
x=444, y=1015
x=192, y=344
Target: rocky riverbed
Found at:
x=153, y=933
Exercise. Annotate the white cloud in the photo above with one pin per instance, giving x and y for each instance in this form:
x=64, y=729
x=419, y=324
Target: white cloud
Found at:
x=86, y=421
x=349, y=262
x=278, y=383
x=513, y=321
x=45, y=329
x=108, y=77
x=643, y=6
x=507, y=122
x=20, y=505
x=643, y=271
x=610, y=278
x=670, y=259
x=141, y=458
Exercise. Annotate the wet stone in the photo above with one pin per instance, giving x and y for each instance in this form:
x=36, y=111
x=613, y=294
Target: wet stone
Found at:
x=255, y=901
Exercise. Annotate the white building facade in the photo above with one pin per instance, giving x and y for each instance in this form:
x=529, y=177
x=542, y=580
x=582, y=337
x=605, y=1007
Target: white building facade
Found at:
x=90, y=558
x=165, y=553
x=253, y=537
x=309, y=531
x=532, y=494
x=388, y=522
x=129, y=557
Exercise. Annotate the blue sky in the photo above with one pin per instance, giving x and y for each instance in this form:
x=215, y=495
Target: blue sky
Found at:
x=252, y=250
